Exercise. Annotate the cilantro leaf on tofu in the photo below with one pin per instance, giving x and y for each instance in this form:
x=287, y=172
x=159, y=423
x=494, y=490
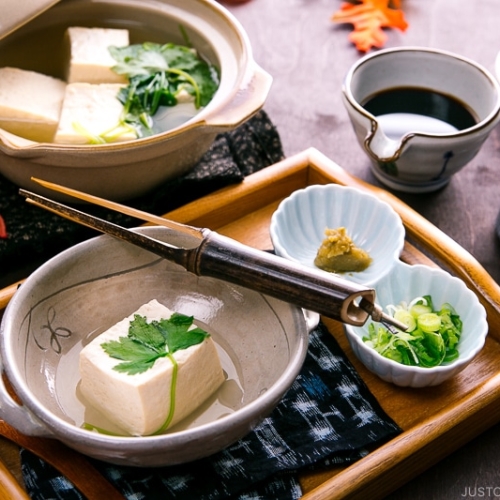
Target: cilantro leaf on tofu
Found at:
x=147, y=342
x=136, y=356
x=146, y=333
x=175, y=331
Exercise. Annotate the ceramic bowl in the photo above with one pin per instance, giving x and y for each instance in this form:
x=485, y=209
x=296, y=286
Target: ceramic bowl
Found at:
x=126, y=170
x=298, y=225
x=420, y=114
x=81, y=292
x=405, y=283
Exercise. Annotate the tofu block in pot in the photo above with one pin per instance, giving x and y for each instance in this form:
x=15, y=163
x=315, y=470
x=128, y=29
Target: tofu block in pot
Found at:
x=30, y=103
x=91, y=113
x=140, y=403
x=89, y=60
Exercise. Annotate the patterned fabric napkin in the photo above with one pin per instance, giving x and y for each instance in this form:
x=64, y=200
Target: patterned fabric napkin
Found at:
x=327, y=417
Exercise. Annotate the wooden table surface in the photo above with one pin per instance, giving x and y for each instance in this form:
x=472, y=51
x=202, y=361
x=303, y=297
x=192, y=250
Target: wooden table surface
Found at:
x=308, y=56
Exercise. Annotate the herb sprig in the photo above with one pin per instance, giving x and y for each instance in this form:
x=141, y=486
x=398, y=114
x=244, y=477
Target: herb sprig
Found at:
x=157, y=75
x=147, y=342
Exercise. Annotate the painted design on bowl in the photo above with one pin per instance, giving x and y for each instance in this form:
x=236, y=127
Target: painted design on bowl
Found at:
x=55, y=332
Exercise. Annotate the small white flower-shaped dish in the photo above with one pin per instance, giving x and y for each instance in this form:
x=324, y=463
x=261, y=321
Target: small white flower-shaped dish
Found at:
x=405, y=283
x=298, y=227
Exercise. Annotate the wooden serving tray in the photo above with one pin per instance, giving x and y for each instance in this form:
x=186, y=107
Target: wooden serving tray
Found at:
x=436, y=421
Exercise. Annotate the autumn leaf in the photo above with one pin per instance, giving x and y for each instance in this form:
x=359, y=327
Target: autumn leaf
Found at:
x=368, y=17
x=3, y=228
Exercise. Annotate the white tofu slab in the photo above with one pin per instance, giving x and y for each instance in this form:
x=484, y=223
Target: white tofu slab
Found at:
x=140, y=403
x=89, y=57
x=91, y=110
x=30, y=103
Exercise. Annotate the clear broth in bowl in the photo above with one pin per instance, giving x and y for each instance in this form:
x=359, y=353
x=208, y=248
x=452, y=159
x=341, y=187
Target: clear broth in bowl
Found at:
x=39, y=45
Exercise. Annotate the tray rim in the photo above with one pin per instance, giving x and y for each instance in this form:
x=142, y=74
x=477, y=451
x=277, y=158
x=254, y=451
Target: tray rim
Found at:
x=410, y=453
x=374, y=474
x=312, y=163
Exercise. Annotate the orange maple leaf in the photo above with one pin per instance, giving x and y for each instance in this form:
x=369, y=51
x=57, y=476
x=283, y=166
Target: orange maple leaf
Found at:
x=368, y=18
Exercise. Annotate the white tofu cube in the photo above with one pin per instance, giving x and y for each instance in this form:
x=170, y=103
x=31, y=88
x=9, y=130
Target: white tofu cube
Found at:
x=140, y=403
x=89, y=57
x=91, y=113
x=30, y=103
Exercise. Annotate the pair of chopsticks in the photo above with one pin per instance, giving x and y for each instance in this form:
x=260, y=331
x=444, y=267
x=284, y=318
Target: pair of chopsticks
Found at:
x=60, y=209
x=205, y=253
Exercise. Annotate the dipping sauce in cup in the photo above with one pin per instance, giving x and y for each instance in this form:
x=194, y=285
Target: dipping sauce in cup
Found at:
x=420, y=114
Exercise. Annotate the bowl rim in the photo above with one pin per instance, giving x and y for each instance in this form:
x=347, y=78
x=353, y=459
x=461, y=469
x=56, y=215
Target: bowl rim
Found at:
x=487, y=122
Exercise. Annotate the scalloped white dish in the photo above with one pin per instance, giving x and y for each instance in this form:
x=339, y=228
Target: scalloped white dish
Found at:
x=405, y=283
x=298, y=225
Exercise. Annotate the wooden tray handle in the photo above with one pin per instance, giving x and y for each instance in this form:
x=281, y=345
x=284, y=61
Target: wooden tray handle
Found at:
x=425, y=234
x=72, y=464
x=6, y=294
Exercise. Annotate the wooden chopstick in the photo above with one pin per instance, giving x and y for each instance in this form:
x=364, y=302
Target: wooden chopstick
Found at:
x=118, y=207
x=164, y=249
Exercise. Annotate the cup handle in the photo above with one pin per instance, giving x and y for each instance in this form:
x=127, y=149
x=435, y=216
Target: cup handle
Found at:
x=246, y=102
x=17, y=415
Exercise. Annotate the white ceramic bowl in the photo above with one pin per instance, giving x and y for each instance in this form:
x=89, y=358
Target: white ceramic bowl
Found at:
x=408, y=150
x=126, y=170
x=405, y=283
x=298, y=225
x=86, y=289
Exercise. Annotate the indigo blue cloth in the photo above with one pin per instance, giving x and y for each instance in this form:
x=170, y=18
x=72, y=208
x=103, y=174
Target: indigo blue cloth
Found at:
x=327, y=417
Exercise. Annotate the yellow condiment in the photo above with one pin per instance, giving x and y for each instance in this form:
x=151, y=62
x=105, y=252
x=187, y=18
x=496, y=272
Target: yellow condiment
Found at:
x=338, y=253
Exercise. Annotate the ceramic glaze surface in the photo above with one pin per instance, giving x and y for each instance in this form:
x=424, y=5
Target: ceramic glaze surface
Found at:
x=420, y=157
x=298, y=225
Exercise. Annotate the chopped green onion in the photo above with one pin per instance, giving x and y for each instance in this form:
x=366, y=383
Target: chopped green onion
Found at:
x=429, y=322
x=406, y=318
x=430, y=340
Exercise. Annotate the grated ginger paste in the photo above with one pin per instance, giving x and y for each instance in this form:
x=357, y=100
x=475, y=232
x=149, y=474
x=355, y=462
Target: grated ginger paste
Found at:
x=338, y=253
